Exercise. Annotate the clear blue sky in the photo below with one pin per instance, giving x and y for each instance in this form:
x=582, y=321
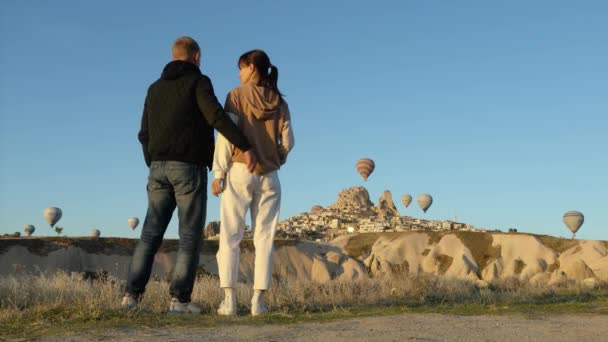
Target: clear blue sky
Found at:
x=496, y=108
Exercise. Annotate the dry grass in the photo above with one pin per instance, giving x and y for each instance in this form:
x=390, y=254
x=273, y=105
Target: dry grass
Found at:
x=38, y=302
x=559, y=245
x=444, y=261
x=361, y=244
x=480, y=245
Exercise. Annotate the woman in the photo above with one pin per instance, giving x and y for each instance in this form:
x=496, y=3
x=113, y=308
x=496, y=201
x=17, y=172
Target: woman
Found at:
x=263, y=116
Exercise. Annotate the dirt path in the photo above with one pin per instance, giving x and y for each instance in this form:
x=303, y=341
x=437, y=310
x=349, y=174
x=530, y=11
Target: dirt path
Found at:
x=406, y=327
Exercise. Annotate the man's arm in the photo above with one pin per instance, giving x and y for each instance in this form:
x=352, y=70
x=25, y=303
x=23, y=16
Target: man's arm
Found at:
x=215, y=115
x=144, y=136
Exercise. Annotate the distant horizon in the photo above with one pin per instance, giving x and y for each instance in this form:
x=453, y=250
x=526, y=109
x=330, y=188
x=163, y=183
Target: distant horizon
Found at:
x=287, y=239
x=136, y=231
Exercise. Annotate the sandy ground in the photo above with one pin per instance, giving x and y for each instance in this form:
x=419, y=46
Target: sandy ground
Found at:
x=406, y=327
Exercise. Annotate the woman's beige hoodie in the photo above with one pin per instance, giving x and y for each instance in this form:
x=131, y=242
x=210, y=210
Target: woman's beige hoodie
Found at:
x=264, y=118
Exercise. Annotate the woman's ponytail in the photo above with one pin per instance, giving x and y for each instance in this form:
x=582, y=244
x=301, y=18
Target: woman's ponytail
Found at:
x=273, y=79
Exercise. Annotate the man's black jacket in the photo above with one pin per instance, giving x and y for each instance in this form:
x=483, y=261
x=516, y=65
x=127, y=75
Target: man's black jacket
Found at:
x=180, y=113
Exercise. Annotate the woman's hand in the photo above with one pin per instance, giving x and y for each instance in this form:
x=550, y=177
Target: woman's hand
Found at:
x=218, y=186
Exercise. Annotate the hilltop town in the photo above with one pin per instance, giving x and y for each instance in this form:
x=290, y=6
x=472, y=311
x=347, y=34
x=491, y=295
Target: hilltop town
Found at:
x=353, y=212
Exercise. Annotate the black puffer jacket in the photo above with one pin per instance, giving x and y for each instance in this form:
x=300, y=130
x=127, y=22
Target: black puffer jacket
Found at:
x=179, y=115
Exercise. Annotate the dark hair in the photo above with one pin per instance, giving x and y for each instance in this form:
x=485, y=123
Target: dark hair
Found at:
x=260, y=60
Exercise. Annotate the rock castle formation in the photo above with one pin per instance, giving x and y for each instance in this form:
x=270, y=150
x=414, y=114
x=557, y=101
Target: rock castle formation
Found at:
x=354, y=212
x=353, y=200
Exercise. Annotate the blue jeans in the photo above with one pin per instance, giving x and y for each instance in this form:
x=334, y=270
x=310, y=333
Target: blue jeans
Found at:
x=171, y=184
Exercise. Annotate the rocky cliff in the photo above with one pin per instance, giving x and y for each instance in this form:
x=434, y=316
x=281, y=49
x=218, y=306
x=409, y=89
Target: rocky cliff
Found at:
x=480, y=257
x=293, y=260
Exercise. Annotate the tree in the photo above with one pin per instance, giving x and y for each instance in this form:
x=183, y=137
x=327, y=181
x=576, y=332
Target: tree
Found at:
x=17, y=234
x=58, y=230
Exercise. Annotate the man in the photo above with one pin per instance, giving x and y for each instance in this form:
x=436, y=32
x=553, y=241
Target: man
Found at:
x=180, y=112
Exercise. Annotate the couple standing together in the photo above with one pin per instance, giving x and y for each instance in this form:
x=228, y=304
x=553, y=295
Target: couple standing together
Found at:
x=180, y=113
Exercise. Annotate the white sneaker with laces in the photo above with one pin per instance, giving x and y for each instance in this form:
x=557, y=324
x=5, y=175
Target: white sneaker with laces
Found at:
x=227, y=307
x=183, y=308
x=128, y=302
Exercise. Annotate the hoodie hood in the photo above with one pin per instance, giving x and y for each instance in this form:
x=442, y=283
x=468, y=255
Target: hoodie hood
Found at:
x=260, y=101
x=177, y=69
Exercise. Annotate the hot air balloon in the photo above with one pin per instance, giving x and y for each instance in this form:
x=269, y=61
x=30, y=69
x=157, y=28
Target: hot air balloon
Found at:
x=133, y=222
x=406, y=200
x=425, y=201
x=95, y=233
x=52, y=215
x=365, y=167
x=574, y=220
x=316, y=209
x=29, y=229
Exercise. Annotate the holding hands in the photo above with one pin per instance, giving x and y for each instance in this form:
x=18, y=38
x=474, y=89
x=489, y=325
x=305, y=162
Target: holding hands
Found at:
x=219, y=184
x=250, y=160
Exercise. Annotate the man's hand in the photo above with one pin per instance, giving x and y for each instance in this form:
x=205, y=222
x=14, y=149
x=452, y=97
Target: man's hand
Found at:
x=250, y=160
x=282, y=154
x=218, y=186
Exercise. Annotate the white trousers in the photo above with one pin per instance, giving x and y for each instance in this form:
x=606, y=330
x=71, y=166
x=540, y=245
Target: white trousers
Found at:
x=261, y=194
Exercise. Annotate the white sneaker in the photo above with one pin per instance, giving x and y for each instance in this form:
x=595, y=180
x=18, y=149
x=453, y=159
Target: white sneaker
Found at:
x=258, y=308
x=128, y=302
x=227, y=307
x=183, y=308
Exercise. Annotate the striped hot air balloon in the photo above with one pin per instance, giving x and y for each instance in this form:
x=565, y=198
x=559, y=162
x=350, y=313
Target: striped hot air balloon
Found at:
x=406, y=200
x=425, y=201
x=316, y=209
x=95, y=233
x=574, y=220
x=52, y=215
x=365, y=167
